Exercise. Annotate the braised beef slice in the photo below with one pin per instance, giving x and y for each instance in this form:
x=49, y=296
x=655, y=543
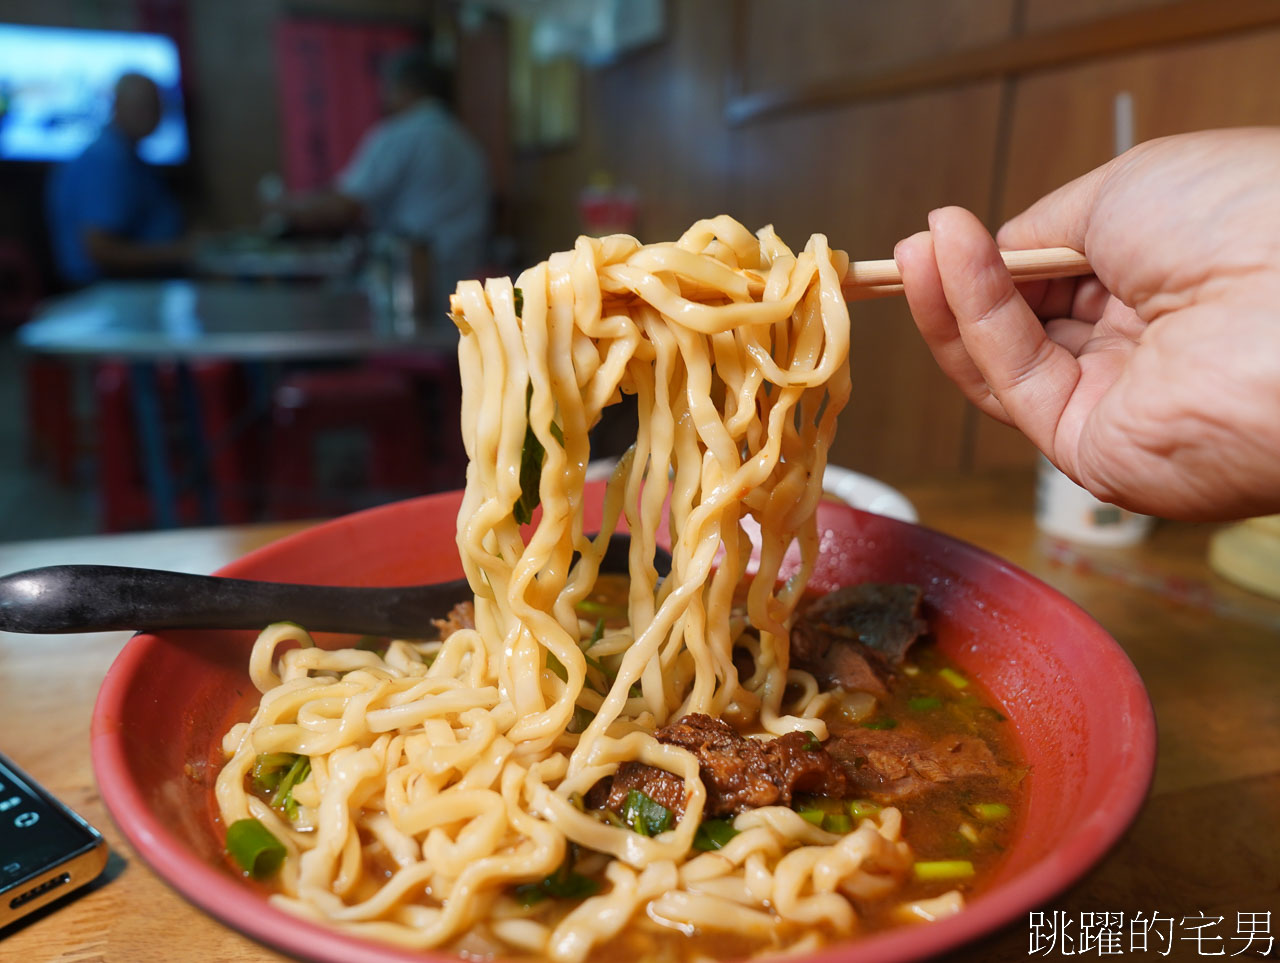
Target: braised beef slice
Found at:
x=664, y=788
x=898, y=763
x=461, y=616
x=856, y=636
x=739, y=773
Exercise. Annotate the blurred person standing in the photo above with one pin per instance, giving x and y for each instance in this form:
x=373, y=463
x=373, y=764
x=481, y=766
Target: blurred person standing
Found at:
x=109, y=212
x=417, y=175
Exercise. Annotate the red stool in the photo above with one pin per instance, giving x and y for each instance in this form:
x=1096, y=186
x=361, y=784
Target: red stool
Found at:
x=377, y=405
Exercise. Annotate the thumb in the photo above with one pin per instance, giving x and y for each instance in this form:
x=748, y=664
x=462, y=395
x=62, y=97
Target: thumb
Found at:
x=1059, y=219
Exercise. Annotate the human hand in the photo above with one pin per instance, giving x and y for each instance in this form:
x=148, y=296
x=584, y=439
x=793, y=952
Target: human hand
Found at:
x=1154, y=384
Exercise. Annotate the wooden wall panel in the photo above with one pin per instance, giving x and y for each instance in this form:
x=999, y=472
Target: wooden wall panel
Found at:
x=654, y=122
x=802, y=41
x=1062, y=127
x=1046, y=14
x=867, y=176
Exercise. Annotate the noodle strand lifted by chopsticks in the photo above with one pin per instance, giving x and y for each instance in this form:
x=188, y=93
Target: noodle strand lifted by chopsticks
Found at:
x=457, y=766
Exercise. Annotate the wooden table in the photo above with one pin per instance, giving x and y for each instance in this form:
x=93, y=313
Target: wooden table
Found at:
x=1208, y=840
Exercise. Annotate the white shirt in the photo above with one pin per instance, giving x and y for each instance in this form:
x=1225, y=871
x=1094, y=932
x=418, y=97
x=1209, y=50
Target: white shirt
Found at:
x=420, y=175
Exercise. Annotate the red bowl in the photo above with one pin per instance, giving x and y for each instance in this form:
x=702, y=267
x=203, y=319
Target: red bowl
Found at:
x=1078, y=705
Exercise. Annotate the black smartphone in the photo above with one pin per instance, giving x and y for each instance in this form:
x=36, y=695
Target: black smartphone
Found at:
x=46, y=850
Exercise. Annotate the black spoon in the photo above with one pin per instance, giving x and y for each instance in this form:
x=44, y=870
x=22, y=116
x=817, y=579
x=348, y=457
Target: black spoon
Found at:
x=100, y=598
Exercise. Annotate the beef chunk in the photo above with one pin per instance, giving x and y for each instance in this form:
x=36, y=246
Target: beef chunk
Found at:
x=896, y=763
x=856, y=636
x=461, y=616
x=739, y=773
x=664, y=788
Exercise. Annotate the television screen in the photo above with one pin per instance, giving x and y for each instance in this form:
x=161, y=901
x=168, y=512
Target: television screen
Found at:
x=56, y=84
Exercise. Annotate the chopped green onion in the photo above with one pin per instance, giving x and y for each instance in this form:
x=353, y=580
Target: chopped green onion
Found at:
x=837, y=823
x=881, y=724
x=519, y=299
x=955, y=678
x=269, y=768
x=814, y=816
x=812, y=743
x=713, y=834
x=612, y=818
x=924, y=703
x=596, y=634
x=863, y=809
x=253, y=847
x=283, y=798
x=939, y=869
x=990, y=812
x=644, y=816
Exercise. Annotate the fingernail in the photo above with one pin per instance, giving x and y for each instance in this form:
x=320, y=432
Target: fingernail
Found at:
x=933, y=214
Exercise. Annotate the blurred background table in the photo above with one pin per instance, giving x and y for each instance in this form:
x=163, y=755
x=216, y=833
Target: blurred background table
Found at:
x=178, y=381
x=181, y=319
x=1208, y=840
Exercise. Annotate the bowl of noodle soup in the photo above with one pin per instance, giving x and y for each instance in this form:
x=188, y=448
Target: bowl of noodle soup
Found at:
x=445, y=797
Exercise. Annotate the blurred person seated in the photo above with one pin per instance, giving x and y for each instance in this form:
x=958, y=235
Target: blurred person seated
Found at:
x=110, y=214
x=417, y=175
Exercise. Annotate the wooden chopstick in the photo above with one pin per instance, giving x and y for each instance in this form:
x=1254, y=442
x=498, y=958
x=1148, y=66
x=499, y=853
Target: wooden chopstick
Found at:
x=880, y=279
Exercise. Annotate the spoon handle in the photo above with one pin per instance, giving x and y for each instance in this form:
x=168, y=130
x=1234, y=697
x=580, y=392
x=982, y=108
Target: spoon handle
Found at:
x=99, y=598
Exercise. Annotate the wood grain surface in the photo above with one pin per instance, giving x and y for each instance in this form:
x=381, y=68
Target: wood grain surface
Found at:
x=1207, y=841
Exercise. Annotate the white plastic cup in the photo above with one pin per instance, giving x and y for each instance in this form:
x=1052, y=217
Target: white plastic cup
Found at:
x=1066, y=510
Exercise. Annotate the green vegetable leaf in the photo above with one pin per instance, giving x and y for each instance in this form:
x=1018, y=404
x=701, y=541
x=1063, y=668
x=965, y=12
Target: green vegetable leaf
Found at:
x=596, y=634
x=254, y=848
x=283, y=798
x=812, y=743
x=646, y=817
x=529, y=894
x=269, y=768
x=530, y=475
x=881, y=724
x=372, y=643
x=531, y=457
x=519, y=299
x=556, y=666
x=581, y=719
x=713, y=834
x=564, y=883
